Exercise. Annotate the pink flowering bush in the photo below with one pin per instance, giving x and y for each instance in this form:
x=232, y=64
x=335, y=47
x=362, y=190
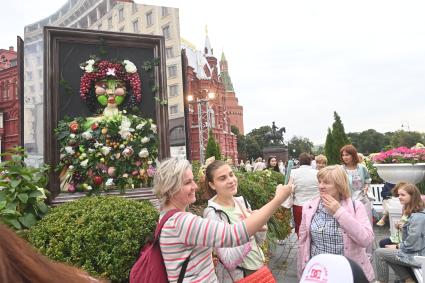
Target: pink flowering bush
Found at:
x=400, y=155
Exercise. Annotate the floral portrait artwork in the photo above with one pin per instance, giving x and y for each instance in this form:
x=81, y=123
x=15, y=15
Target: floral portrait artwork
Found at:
x=115, y=150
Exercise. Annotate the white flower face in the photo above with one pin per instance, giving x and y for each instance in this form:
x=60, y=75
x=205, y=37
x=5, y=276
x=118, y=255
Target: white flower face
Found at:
x=105, y=150
x=143, y=153
x=84, y=163
x=129, y=67
x=153, y=128
x=145, y=140
x=87, y=135
x=69, y=150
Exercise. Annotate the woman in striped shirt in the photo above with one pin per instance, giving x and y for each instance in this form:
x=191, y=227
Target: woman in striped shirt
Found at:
x=186, y=235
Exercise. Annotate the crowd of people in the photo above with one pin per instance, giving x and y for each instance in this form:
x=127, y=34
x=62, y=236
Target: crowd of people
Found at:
x=331, y=213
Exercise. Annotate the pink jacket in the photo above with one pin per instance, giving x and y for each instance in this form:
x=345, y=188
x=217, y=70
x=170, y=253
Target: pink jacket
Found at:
x=357, y=234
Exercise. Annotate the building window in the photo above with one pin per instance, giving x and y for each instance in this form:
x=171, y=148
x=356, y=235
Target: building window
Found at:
x=174, y=90
x=177, y=133
x=39, y=60
x=29, y=76
x=174, y=109
x=40, y=73
x=2, y=91
x=166, y=32
x=121, y=14
x=110, y=23
x=134, y=8
x=121, y=29
x=149, y=19
x=136, y=26
x=212, y=117
x=32, y=89
x=172, y=71
x=99, y=26
x=164, y=11
x=41, y=86
x=6, y=90
x=169, y=52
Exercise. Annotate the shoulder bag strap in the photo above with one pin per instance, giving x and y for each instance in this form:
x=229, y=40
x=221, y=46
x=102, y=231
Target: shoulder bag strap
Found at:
x=219, y=211
x=183, y=270
x=162, y=222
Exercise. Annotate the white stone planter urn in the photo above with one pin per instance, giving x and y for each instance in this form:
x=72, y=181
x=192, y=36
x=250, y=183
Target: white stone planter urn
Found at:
x=398, y=172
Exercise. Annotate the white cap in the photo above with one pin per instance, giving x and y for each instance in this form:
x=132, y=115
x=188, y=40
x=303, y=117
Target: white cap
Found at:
x=327, y=268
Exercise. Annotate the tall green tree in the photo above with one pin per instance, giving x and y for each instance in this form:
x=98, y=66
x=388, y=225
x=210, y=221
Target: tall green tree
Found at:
x=406, y=138
x=241, y=142
x=213, y=148
x=298, y=144
x=331, y=154
x=339, y=139
x=255, y=142
x=368, y=141
x=338, y=132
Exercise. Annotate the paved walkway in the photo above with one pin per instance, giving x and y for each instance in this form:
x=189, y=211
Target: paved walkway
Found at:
x=283, y=262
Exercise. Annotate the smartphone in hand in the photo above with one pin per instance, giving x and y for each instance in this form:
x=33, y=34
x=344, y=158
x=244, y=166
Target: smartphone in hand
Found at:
x=288, y=171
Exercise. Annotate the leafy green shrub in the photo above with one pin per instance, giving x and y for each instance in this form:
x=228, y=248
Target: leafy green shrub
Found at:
x=102, y=235
x=22, y=191
x=258, y=188
x=373, y=172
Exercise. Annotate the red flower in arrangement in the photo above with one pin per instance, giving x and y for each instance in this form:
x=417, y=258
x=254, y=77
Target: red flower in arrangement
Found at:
x=96, y=70
x=73, y=127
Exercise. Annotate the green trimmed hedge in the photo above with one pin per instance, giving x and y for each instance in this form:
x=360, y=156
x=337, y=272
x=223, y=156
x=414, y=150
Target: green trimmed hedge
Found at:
x=102, y=235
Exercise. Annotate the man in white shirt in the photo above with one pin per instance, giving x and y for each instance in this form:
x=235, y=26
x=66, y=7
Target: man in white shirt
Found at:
x=306, y=186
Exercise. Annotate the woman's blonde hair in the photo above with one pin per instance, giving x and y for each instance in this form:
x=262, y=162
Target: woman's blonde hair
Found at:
x=321, y=159
x=168, y=179
x=338, y=177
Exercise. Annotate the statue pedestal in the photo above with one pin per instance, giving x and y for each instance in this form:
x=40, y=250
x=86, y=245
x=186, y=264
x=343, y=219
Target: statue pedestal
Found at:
x=279, y=151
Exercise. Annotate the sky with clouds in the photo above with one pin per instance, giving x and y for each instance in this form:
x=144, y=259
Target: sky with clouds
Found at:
x=295, y=62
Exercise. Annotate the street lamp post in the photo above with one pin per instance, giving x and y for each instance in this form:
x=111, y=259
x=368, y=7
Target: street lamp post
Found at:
x=204, y=122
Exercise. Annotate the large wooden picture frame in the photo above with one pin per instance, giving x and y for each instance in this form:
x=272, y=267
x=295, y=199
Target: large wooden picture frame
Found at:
x=65, y=49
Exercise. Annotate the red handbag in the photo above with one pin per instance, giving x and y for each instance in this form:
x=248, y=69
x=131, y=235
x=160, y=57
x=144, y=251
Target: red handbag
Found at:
x=262, y=275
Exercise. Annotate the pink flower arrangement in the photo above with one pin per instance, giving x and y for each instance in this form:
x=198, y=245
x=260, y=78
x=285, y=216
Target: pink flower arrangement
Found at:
x=400, y=155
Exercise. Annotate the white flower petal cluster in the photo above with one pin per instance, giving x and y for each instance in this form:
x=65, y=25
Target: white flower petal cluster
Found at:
x=109, y=182
x=129, y=66
x=84, y=163
x=145, y=140
x=69, y=150
x=140, y=126
x=105, y=150
x=144, y=153
x=87, y=135
x=153, y=128
x=89, y=66
x=125, y=130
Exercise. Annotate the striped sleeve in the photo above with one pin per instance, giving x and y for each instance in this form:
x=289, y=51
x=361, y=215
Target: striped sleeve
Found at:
x=197, y=231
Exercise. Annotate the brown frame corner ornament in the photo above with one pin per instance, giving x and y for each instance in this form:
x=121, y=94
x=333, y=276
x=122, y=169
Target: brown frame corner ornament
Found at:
x=65, y=49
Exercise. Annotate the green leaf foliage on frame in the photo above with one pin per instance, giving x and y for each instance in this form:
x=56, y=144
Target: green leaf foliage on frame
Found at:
x=102, y=235
x=22, y=192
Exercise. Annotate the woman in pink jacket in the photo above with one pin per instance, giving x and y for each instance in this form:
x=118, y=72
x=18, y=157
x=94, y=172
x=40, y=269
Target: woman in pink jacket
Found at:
x=334, y=224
